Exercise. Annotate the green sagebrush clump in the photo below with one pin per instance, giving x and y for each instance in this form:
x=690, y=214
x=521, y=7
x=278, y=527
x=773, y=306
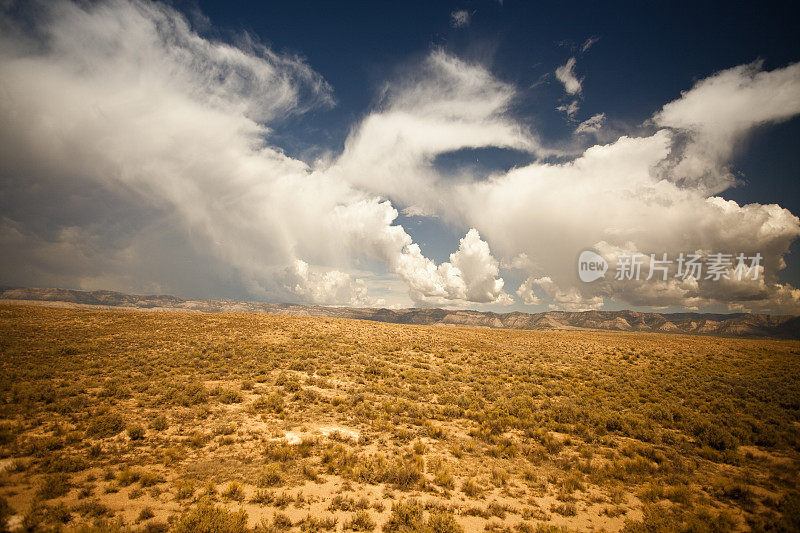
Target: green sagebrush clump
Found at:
x=360, y=521
x=657, y=517
x=228, y=396
x=403, y=472
x=714, y=435
x=209, y=518
x=185, y=394
x=106, y=425
x=272, y=403
x=53, y=486
x=409, y=516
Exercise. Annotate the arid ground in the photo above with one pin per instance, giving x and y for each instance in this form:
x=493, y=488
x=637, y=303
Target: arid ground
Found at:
x=127, y=420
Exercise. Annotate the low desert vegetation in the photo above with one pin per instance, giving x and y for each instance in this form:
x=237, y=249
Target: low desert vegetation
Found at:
x=144, y=421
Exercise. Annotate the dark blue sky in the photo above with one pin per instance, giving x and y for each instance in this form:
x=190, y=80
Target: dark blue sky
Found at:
x=645, y=55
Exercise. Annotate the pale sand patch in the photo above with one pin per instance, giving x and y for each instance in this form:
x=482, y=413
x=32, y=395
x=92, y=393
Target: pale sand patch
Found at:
x=293, y=438
x=331, y=432
x=14, y=522
x=338, y=431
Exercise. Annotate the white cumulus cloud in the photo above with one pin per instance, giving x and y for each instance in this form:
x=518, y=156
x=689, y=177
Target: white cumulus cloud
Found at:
x=137, y=154
x=327, y=288
x=447, y=105
x=161, y=141
x=718, y=111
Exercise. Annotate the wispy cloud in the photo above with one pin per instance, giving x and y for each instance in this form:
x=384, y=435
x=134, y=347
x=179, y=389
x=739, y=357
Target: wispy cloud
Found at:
x=588, y=43
x=592, y=124
x=566, y=75
x=460, y=18
x=571, y=109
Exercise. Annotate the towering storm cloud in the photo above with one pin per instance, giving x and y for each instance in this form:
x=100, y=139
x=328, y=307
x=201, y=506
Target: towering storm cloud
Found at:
x=138, y=155
x=147, y=149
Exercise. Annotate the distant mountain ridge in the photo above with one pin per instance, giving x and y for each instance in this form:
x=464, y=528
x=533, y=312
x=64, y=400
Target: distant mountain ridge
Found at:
x=733, y=325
